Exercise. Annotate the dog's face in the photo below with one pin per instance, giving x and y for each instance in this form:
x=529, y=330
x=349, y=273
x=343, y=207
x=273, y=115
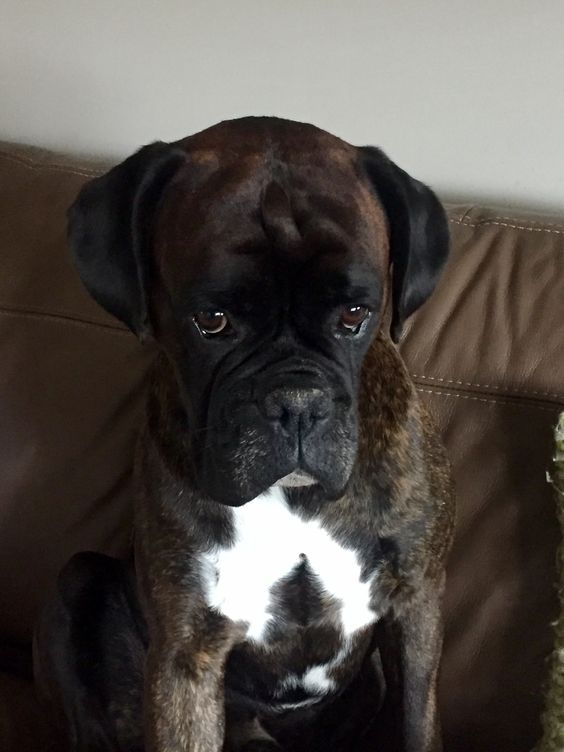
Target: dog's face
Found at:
x=258, y=254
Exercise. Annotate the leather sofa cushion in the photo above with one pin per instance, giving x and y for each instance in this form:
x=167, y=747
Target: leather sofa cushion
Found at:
x=71, y=382
x=24, y=725
x=486, y=355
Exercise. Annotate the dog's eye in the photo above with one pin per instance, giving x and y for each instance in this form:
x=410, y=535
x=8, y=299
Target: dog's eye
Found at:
x=211, y=323
x=352, y=318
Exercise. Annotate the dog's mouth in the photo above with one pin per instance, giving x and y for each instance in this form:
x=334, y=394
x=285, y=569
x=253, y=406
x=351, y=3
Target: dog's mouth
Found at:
x=296, y=479
x=253, y=454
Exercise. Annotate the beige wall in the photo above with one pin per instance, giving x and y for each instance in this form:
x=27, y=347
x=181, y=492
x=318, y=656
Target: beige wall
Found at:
x=468, y=96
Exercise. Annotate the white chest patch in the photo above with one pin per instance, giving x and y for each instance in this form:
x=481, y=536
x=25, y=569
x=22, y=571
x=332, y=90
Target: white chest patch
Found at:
x=268, y=544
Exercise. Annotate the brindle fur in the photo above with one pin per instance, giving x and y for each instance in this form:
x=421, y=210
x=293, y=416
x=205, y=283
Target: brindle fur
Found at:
x=156, y=670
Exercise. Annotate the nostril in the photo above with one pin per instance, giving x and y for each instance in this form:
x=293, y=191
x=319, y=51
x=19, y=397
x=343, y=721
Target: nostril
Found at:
x=321, y=408
x=279, y=411
x=283, y=417
x=297, y=409
x=274, y=407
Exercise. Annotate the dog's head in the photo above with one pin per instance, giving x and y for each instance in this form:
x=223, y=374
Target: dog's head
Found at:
x=263, y=255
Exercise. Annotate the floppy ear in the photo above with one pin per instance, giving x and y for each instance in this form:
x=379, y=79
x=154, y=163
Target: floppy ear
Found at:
x=419, y=237
x=109, y=231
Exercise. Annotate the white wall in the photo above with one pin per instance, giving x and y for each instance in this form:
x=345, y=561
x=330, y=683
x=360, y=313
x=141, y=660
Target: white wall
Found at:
x=468, y=96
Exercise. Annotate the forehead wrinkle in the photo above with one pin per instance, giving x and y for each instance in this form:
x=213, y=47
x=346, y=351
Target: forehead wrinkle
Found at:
x=277, y=217
x=220, y=211
x=324, y=237
x=207, y=218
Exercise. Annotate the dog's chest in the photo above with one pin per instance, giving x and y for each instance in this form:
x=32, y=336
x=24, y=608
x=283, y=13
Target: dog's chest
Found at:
x=284, y=571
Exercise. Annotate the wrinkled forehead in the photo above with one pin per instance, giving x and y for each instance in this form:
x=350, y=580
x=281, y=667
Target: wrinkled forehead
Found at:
x=310, y=204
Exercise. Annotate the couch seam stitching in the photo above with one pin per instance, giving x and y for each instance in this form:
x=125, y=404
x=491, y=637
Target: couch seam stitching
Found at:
x=516, y=392
x=58, y=311
x=505, y=224
x=490, y=400
x=465, y=213
x=64, y=319
x=532, y=221
x=49, y=167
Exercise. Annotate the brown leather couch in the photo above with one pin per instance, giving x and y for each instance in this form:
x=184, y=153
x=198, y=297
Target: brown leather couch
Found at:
x=486, y=353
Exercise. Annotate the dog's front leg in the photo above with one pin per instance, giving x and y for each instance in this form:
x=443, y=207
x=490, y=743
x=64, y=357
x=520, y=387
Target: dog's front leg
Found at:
x=184, y=708
x=410, y=643
x=184, y=695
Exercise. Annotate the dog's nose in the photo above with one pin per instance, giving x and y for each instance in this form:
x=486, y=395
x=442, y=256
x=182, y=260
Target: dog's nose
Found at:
x=297, y=409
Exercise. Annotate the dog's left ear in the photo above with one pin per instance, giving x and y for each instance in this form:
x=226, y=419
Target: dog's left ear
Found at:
x=110, y=226
x=419, y=237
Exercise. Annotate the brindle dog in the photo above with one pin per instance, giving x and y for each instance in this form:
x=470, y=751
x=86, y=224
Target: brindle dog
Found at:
x=293, y=504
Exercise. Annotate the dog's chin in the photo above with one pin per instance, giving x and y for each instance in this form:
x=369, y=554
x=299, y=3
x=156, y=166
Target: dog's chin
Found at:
x=296, y=479
x=236, y=497
x=236, y=477
x=235, y=494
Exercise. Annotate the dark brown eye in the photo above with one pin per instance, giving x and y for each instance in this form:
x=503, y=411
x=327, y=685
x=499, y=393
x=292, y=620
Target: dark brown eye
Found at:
x=210, y=323
x=352, y=318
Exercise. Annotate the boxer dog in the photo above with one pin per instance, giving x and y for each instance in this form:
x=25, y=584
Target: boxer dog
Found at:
x=293, y=504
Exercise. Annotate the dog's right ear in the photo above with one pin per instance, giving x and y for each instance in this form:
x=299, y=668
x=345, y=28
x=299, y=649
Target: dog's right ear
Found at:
x=110, y=226
x=419, y=237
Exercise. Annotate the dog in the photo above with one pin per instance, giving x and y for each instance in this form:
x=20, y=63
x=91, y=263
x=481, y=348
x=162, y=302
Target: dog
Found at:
x=293, y=506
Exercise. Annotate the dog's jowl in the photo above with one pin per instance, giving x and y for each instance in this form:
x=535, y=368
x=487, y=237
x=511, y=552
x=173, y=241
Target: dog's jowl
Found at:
x=293, y=506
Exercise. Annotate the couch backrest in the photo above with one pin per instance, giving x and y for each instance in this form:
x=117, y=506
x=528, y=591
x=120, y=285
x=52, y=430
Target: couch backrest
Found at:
x=71, y=381
x=487, y=356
